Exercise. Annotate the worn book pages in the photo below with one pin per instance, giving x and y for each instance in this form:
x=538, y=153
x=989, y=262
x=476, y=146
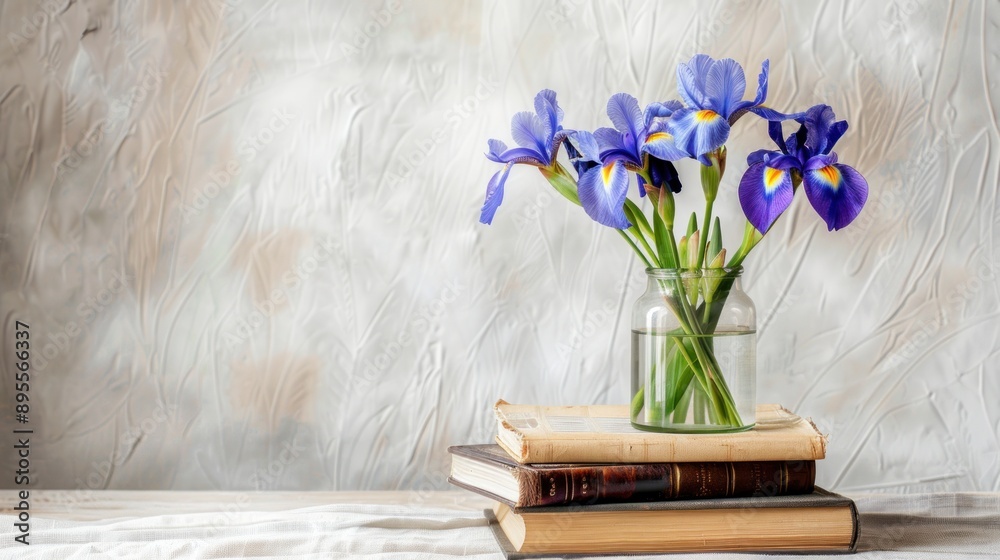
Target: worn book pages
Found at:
x=812, y=523
x=603, y=434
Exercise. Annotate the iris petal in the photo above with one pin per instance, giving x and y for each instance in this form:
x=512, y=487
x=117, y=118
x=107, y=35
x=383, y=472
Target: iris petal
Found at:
x=836, y=131
x=765, y=193
x=529, y=131
x=701, y=64
x=725, y=86
x=691, y=80
x=690, y=84
x=795, y=142
x=837, y=192
x=661, y=145
x=625, y=156
x=496, y=147
x=817, y=162
x=818, y=120
x=660, y=110
x=770, y=114
x=520, y=155
x=762, y=82
x=548, y=111
x=761, y=90
x=494, y=195
x=760, y=156
x=783, y=162
x=602, y=193
x=698, y=132
x=585, y=144
x=610, y=139
x=663, y=173
x=583, y=151
x=775, y=132
x=623, y=110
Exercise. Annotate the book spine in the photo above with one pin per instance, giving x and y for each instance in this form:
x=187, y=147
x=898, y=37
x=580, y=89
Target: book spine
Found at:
x=542, y=486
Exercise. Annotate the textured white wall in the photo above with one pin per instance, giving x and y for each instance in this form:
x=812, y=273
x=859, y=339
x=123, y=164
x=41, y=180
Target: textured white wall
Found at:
x=348, y=178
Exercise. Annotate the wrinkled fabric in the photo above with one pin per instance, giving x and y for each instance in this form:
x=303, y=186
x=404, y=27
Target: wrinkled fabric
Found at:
x=214, y=525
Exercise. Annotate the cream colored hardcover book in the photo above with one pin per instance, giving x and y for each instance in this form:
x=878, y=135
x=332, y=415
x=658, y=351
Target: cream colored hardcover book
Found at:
x=604, y=434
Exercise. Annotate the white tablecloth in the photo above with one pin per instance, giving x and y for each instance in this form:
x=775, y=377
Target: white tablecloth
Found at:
x=159, y=525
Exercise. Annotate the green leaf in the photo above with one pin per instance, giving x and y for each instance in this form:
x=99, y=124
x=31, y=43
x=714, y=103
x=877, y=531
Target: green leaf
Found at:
x=715, y=245
x=692, y=224
x=663, y=245
x=563, y=184
x=639, y=217
x=630, y=214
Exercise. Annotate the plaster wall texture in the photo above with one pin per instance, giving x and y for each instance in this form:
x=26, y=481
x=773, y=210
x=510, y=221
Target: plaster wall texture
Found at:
x=244, y=233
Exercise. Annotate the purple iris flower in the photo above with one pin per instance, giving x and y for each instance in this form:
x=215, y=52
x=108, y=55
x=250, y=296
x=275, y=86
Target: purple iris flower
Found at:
x=836, y=191
x=538, y=136
x=606, y=156
x=712, y=91
x=582, y=149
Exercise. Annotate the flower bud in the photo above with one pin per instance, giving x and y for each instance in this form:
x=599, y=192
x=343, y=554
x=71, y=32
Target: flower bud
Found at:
x=711, y=175
x=719, y=261
x=715, y=242
x=665, y=206
x=694, y=242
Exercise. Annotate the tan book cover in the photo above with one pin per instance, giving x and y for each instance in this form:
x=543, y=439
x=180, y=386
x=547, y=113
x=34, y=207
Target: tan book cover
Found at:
x=817, y=522
x=603, y=434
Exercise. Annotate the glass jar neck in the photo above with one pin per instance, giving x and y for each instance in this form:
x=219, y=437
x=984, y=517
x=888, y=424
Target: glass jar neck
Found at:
x=658, y=277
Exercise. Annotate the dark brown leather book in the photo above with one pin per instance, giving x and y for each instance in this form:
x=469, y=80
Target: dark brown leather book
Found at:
x=488, y=470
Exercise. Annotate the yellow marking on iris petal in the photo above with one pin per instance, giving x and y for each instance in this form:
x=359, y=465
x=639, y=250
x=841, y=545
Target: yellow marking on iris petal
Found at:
x=606, y=172
x=829, y=175
x=706, y=116
x=656, y=136
x=772, y=177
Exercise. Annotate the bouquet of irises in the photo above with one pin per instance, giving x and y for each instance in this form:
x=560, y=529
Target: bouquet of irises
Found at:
x=646, y=143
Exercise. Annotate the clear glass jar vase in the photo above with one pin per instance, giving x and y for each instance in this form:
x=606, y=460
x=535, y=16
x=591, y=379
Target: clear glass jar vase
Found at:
x=694, y=353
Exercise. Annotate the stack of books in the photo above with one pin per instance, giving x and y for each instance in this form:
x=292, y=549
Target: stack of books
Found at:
x=581, y=480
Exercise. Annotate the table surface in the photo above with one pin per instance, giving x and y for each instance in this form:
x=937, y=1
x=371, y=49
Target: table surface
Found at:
x=405, y=525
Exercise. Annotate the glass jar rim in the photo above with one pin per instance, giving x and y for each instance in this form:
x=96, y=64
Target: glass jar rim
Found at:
x=674, y=273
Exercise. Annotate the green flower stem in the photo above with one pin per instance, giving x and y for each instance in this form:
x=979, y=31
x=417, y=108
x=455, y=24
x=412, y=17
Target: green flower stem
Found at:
x=751, y=237
x=706, y=357
x=703, y=364
x=637, y=401
x=699, y=407
x=635, y=248
x=565, y=184
x=704, y=234
x=642, y=238
x=716, y=395
x=681, y=408
x=711, y=177
x=640, y=217
x=672, y=246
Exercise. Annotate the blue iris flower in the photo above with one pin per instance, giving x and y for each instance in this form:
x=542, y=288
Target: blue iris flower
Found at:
x=639, y=140
x=538, y=136
x=836, y=191
x=712, y=91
